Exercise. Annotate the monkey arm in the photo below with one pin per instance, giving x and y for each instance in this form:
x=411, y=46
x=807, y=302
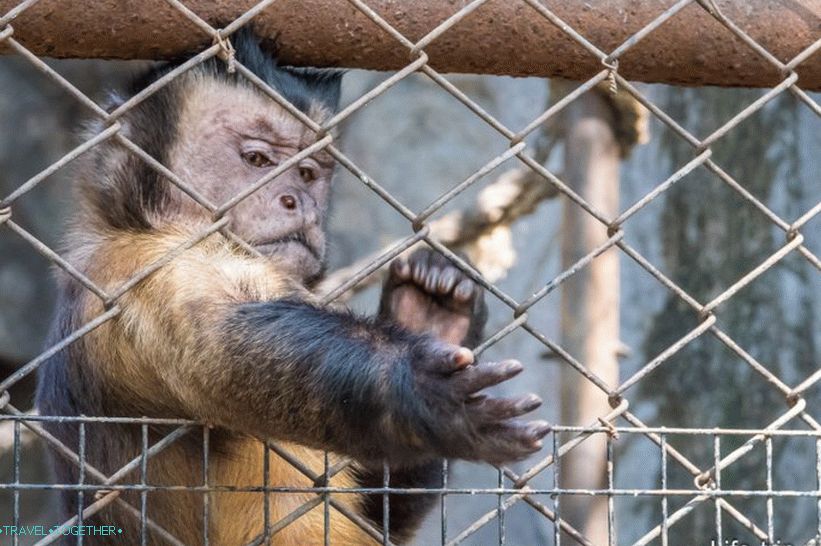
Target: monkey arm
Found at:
x=332, y=380
x=291, y=370
x=228, y=340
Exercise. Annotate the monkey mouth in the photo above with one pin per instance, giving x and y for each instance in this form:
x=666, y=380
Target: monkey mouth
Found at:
x=266, y=246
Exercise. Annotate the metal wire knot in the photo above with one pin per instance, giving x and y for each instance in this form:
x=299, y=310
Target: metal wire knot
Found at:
x=613, y=68
x=227, y=52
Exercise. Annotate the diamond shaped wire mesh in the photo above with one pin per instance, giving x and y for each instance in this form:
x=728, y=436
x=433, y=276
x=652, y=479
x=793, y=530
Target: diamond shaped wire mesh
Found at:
x=513, y=488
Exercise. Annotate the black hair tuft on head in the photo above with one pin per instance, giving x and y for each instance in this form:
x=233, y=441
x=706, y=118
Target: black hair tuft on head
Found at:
x=300, y=86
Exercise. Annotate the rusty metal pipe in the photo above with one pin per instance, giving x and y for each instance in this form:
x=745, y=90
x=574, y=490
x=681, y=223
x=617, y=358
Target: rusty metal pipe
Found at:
x=499, y=37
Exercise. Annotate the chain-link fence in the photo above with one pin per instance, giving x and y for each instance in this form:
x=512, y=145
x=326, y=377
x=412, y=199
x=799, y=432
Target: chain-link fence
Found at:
x=99, y=490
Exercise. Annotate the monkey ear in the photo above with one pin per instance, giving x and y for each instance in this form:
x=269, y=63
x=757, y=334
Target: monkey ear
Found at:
x=323, y=83
x=91, y=127
x=112, y=101
x=250, y=51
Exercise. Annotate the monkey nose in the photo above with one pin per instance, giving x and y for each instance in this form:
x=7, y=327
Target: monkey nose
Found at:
x=288, y=202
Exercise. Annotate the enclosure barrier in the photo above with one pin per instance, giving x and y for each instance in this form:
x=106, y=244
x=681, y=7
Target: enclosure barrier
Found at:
x=391, y=44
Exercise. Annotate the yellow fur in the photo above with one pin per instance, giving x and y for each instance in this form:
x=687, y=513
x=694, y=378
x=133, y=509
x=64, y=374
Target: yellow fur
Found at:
x=247, y=469
x=154, y=344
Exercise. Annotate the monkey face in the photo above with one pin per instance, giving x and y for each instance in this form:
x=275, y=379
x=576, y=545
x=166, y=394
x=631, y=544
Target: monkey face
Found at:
x=229, y=138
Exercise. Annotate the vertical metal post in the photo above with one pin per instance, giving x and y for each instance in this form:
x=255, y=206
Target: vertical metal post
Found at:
x=143, y=483
x=206, y=496
x=266, y=499
x=443, y=504
x=557, y=469
x=81, y=452
x=717, y=504
x=611, y=512
x=768, y=446
x=16, y=508
x=326, y=502
x=665, y=538
x=386, y=504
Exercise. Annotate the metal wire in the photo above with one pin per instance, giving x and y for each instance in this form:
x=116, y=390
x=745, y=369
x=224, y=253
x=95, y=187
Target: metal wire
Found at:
x=511, y=487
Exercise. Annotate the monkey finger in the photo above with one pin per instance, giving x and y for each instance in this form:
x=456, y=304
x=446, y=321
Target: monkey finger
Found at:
x=501, y=409
x=529, y=433
x=432, y=280
x=429, y=258
x=462, y=358
x=447, y=359
x=418, y=271
x=524, y=437
x=400, y=268
x=447, y=280
x=486, y=374
x=464, y=290
x=420, y=263
x=506, y=449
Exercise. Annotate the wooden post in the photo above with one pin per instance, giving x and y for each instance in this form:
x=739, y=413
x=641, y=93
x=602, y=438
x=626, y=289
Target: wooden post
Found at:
x=590, y=299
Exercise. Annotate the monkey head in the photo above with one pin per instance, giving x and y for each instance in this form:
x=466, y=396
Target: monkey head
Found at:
x=229, y=137
x=221, y=134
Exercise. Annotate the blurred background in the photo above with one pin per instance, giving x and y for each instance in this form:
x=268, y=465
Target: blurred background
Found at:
x=418, y=142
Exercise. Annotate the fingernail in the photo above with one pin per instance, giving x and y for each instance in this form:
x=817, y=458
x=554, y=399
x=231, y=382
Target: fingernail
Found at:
x=446, y=280
x=539, y=428
x=530, y=403
x=464, y=290
x=431, y=282
x=401, y=268
x=514, y=367
x=463, y=357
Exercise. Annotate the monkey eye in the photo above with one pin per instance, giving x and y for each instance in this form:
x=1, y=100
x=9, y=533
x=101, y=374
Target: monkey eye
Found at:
x=257, y=159
x=307, y=174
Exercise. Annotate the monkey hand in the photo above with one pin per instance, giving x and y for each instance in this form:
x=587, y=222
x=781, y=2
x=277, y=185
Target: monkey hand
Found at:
x=426, y=293
x=460, y=421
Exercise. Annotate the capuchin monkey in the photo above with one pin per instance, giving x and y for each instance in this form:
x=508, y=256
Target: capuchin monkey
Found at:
x=237, y=341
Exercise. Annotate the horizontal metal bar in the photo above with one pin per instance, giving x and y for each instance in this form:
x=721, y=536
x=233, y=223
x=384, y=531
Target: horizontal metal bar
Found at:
x=619, y=492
